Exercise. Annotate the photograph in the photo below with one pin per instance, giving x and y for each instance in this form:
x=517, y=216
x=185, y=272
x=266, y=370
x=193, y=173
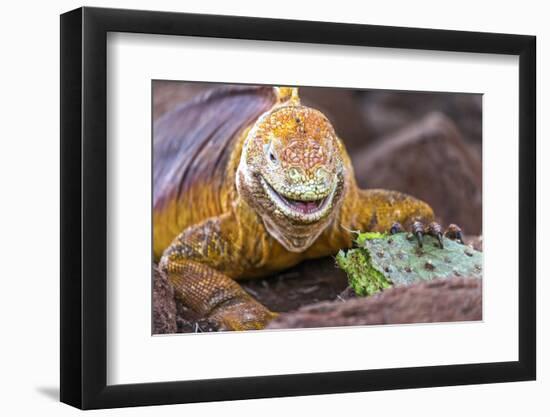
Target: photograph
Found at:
x=293, y=207
x=259, y=206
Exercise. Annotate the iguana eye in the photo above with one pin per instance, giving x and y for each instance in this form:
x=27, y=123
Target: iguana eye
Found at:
x=271, y=154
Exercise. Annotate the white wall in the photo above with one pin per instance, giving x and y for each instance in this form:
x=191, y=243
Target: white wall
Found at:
x=29, y=237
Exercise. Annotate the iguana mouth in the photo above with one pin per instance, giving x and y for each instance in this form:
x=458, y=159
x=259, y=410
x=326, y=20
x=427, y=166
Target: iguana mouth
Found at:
x=305, y=207
x=310, y=208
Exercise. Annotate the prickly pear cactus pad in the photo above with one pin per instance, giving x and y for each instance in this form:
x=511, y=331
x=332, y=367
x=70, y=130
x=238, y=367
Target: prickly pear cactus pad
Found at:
x=380, y=261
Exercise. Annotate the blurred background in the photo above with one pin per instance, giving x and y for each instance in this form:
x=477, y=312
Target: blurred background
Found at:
x=427, y=144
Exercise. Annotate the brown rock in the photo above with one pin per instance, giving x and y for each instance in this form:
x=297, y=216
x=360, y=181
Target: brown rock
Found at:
x=164, y=305
x=386, y=112
x=430, y=161
x=309, y=282
x=475, y=242
x=456, y=299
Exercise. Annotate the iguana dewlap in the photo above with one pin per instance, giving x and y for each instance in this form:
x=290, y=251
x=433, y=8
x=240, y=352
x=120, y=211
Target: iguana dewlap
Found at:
x=247, y=181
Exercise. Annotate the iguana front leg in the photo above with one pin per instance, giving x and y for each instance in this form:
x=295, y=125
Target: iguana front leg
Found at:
x=392, y=211
x=378, y=210
x=200, y=264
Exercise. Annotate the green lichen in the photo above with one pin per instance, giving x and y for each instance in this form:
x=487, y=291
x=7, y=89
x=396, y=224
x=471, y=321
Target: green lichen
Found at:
x=362, y=276
x=380, y=261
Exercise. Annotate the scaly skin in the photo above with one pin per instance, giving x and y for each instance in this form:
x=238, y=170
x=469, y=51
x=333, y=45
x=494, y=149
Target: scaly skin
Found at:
x=287, y=193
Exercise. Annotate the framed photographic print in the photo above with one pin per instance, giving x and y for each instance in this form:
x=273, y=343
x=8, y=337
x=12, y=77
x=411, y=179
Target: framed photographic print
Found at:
x=257, y=208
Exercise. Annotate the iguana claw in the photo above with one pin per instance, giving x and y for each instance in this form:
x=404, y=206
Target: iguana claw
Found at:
x=433, y=229
x=396, y=228
x=454, y=232
x=418, y=232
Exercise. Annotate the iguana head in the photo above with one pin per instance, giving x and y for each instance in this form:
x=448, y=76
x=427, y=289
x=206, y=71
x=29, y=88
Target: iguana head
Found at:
x=291, y=172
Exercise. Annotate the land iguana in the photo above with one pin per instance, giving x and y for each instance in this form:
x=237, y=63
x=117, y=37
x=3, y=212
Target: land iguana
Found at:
x=248, y=181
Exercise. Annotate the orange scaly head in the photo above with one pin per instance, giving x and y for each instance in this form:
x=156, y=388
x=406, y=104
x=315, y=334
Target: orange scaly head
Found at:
x=291, y=172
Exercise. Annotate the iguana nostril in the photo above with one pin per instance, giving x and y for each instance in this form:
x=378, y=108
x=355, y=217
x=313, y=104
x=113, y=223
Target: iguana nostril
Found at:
x=322, y=174
x=295, y=175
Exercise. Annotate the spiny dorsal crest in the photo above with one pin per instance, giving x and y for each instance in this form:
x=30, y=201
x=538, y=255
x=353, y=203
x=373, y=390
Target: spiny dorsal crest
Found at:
x=287, y=96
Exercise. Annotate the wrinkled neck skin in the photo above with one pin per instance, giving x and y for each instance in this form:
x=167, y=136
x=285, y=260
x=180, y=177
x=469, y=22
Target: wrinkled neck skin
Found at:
x=292, y=177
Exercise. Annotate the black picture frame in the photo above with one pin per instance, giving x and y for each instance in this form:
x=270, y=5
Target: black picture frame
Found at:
x=84, y=207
